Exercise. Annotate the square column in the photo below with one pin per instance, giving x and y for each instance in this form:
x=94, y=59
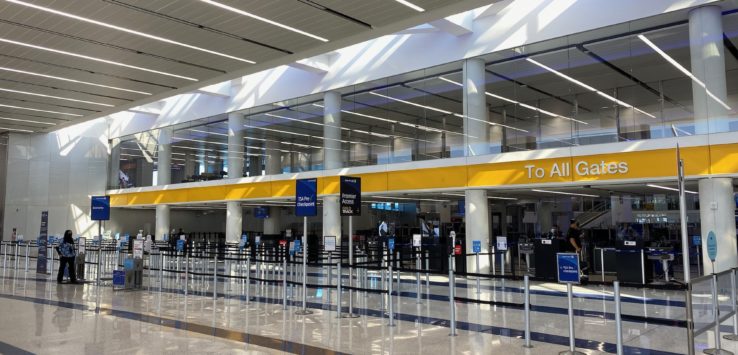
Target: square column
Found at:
x=717, y=215
x=235, y=146
x=234, y=221
x=476, y=220
x=476, y=116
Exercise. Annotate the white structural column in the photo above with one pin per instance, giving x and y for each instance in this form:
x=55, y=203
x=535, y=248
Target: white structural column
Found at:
x=332, y=159
x=113, y=174
x=164, y=173
x=708, y=65
x=234, y=211
x=717, y=215
x=273, y=167
x=476, y=114
x=477, y=227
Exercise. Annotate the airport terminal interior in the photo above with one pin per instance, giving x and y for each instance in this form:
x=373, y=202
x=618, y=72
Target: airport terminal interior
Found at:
x=369, y=177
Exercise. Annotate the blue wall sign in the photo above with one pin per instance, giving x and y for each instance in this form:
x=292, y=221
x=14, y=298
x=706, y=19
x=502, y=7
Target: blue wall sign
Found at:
x=477, y=246
x=261, y=212
x=567, y=265
x=350, y=196
x=306, y=196
x=100, y=208
x=711, y=246
x=391, y=244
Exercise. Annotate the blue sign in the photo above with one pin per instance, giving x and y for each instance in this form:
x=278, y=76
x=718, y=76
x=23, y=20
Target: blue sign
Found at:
x=697, y=240
x=711, y=246
x=180, y=245
x=100, y=208
x=261, y=212
x=350, y=196
x=243, y=242
x=567, y=265
x=477, y=246
x=297, y=245
x=119, y=278
x=306, y=197
x=391, y=244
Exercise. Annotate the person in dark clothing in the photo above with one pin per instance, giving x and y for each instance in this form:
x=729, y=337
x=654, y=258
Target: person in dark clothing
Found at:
x=67, y=254
x=574, y=237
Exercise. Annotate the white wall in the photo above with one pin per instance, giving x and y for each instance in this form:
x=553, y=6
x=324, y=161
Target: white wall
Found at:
x=55, y=172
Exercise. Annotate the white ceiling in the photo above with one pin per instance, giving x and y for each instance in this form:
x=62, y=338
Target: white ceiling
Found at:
x=192, y=22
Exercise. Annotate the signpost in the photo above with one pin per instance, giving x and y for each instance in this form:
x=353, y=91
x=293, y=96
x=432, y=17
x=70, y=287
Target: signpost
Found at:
x=42, y=243
x=329, y=243
x=476, y=246
x=100, y=211
x=711, y=245
x=350, y=205
x=306, y=197
x=568, y=272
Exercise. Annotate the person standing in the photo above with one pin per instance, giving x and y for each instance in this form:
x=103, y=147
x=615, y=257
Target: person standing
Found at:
x=574, y=237
x=67, y=254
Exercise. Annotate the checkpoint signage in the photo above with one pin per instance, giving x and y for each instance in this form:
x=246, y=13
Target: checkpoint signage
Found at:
x=567, y=266
x=697, y=240
x=138, y=248
x=350, y=196
x=477, y=246
x=501, y=243
x=391, y=244
x=329, y=243
x=100, y=208
x=180, y=245
x=417, y=240
x=306, y=196
x=297, y=245
x=711, y=246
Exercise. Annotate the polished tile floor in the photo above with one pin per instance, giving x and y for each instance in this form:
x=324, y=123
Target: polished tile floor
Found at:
x=43, y=317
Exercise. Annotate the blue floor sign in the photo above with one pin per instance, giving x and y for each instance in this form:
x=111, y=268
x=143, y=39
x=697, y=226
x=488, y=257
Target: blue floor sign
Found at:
x=567, y=265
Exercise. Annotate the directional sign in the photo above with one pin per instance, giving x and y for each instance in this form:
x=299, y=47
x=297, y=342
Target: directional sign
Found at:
x=567, y=265
x=306, y=196
x=297, y=245
x=697, y=240
x=391, y=244
x=711, y=246
x=350, y=196
x=100, y=208
x=477, y=246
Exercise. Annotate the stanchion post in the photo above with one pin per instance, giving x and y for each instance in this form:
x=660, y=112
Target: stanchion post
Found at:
x=451, y=291
x=479, y=291
x=248, y=278
x=734, y=304
x=572, y=340
x=215, y=276
x=284, y=283
x=417, y=276
x=602, y=263
x=99, y=265
x=389, y=299
x=28, y=244
x=304, y=310
x=618, y=321
x=526, y=290
x=716, y=313
x=340, y=289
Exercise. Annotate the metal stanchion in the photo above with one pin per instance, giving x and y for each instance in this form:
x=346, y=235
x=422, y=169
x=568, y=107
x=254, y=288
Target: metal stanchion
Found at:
x=99, y=265
x=51, y=270
x=5, y=255
x=427, y=274
x=28, y=244
x=304, y=310
x=284, y=283
x=618, y=321
x=16, y=257
x=161, y=272
x=186, y=272
x=389, y=299
x=733, y=302
x=479, y=288
x=451, y=294
x=602, y=263
x=717, y=350
x=417, y=276
x=248, y=278
x=215, y=277
x=330, y=270
x=570, y=301
x=340, y=290
x=526, y=296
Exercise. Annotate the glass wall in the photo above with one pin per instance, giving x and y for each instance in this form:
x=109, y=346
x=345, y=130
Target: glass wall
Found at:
x=616, y=84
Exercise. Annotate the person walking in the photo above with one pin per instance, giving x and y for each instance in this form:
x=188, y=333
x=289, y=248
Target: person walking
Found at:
x=67, y=254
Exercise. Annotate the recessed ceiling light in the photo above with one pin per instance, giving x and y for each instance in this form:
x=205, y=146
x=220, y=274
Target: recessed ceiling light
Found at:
x=128, y=30
x=16, y=130
x=55, y=97
x=256, y=17
x=411, y=5
x=670, y=188
x=683, y=70
x=575, y=81
x=29, y=121
x=95, y=59
x=35, y=109
x=72, y=80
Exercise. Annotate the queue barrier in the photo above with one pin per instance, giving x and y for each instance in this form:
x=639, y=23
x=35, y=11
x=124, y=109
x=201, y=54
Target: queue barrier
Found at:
x=711, y=300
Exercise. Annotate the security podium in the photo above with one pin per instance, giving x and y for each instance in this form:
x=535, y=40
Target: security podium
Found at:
x=633, y=266
x=79, y=266
x=544, y=254
x=133, y=273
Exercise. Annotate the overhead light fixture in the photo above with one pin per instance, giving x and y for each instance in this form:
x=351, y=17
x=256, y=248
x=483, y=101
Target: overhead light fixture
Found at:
x=409, y=198
x=411, y=5
x=213, y=133
x=37, y=110
x=95, y=59
x=683, y=70
x=670, y=188
x=72, y=80
x=577, y=82
x=128, y=30
x=564, y=193
x=446, y=112
x=55, y=97
x=421, y=127
x=28, y=121
x=517, y=103
x=262, y=19
x=16, y=130
x=488, y=197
